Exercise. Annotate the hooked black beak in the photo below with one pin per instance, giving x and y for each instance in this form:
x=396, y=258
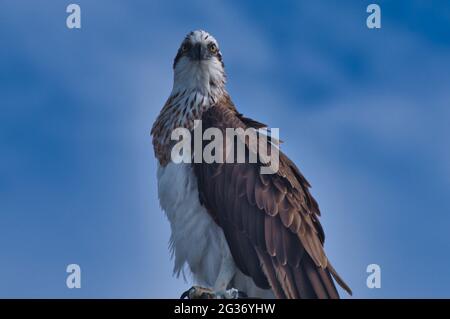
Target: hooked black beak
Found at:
x=197, y=52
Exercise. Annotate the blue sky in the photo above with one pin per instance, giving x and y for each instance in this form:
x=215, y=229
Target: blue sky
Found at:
x=364, y=113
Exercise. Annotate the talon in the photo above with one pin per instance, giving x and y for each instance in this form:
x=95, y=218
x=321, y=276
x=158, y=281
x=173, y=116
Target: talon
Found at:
x=197, y=292
x=231, y=293
x=185, y=295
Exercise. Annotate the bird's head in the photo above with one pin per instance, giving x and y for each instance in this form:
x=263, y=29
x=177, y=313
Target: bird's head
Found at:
x=198, y=64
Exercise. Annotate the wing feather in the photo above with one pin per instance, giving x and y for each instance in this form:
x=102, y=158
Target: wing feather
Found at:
x=270, y=221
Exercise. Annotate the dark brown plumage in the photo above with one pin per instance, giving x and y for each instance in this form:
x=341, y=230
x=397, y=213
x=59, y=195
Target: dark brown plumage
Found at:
x=270, y=221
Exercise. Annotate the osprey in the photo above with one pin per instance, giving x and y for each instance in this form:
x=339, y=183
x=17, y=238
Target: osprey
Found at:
x=239, y=232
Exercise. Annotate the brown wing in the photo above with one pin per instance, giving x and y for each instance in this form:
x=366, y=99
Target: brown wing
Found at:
x=270, y=221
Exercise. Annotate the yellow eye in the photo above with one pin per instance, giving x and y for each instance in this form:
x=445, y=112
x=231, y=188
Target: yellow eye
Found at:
x=185, y=47
x=213, y=48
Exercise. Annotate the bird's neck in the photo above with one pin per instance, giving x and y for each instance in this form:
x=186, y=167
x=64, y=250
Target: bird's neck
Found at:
x=196, y=88
x=188, y=104
x=204, y=77
x=185, y=105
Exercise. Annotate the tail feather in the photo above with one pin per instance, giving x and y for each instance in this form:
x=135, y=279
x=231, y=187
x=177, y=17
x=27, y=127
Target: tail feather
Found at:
x=338, y=279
